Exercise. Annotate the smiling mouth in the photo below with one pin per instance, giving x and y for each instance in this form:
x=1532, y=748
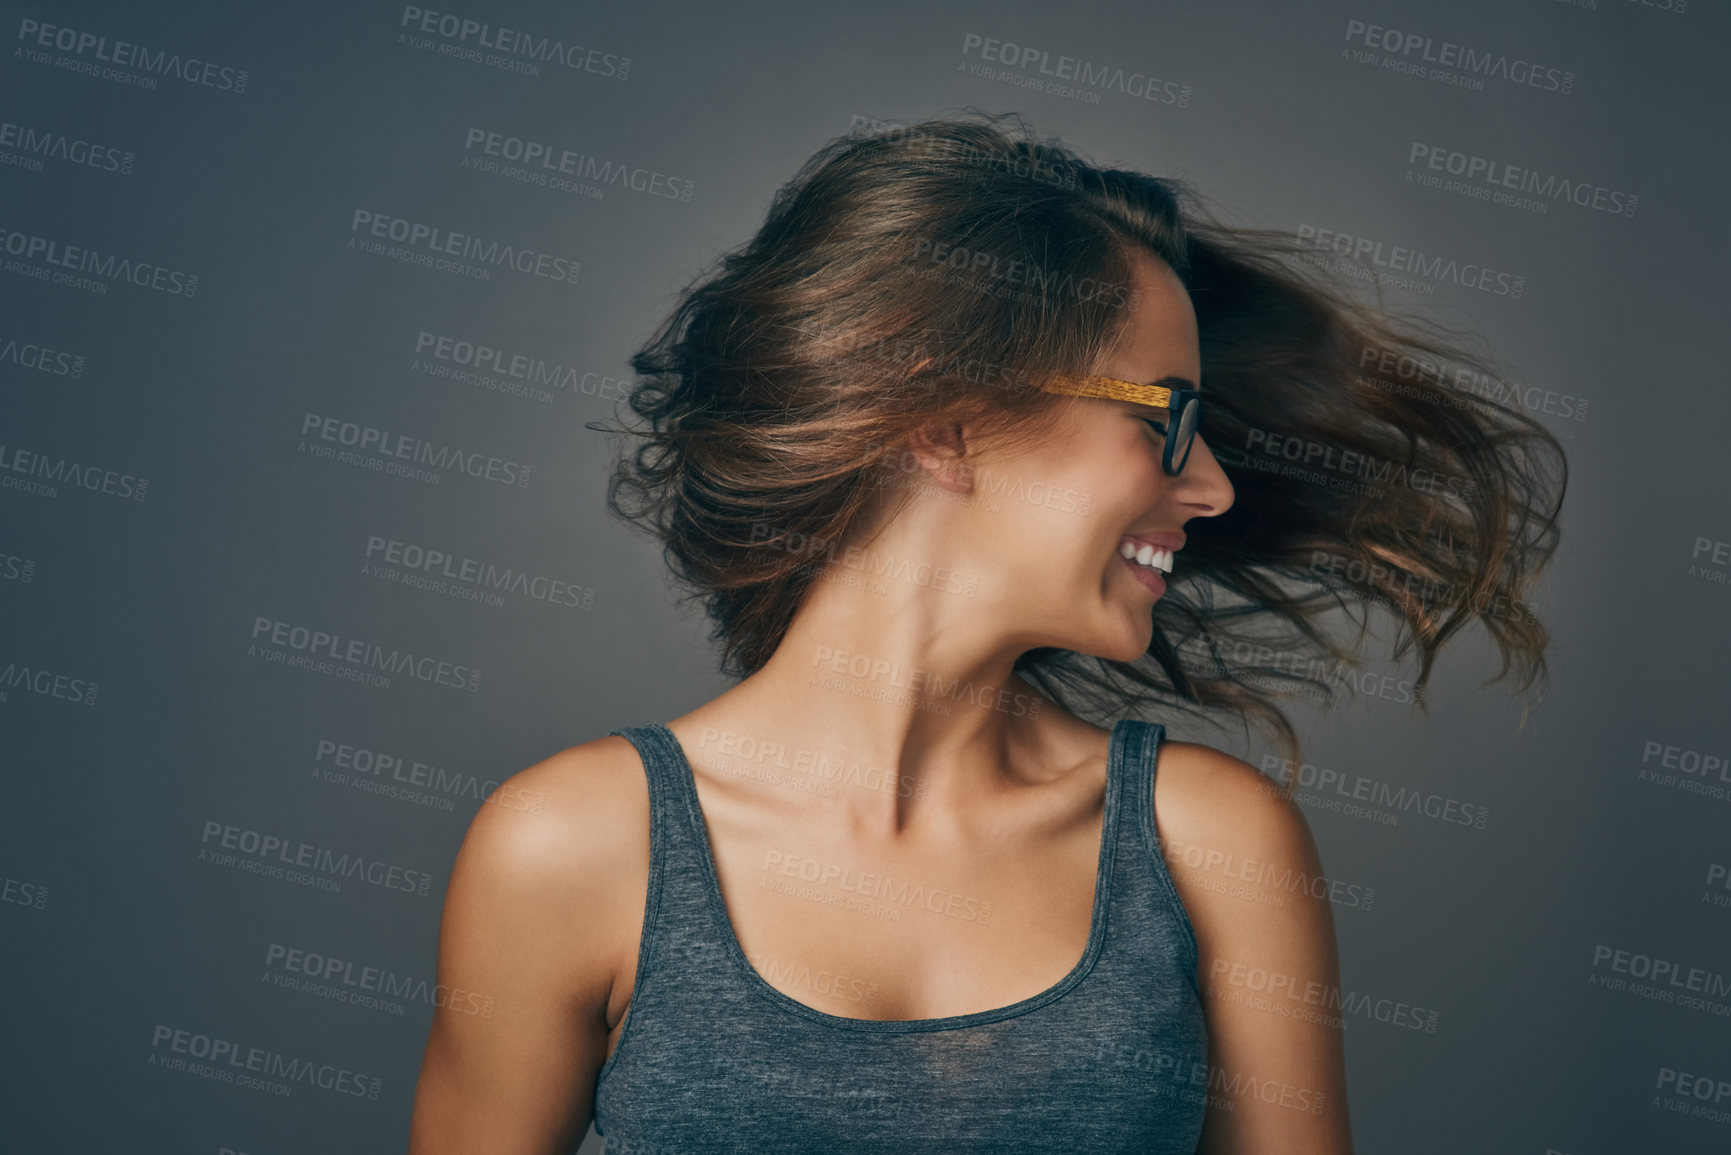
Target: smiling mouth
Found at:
x=1145, y=555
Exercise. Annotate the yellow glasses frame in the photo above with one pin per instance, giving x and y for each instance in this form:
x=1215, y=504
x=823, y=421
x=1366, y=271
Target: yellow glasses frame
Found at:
x=1184, y=405
x=1111, y=388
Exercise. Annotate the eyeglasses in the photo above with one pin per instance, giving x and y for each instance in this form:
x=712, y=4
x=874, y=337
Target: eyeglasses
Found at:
x=1185, y=405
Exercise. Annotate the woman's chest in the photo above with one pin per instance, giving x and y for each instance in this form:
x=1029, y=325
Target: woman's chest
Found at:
x=874, y=936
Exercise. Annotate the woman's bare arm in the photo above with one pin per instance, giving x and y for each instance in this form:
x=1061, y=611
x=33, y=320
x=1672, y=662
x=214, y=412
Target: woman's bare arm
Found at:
x=544, y=908
x=1246, y=868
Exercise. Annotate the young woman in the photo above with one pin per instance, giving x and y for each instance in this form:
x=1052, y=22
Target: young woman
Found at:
x=927, y=447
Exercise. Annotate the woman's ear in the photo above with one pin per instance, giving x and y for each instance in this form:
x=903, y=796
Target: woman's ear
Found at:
x=940, y=449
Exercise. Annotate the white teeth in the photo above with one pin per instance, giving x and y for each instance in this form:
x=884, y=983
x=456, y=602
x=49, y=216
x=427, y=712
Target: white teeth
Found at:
x=1147, y=555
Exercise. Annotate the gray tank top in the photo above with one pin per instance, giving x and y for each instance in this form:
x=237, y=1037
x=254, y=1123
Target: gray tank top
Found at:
x=713, y=1058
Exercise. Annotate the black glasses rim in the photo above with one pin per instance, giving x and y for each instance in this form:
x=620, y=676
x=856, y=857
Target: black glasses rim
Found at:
x=1183, y=401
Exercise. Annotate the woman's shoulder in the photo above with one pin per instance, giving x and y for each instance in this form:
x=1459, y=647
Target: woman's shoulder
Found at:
x=582, y=804
x=1199, y=788
x=1218, y=818
x=1242, y=857
x=538, y=927
x=561, y=846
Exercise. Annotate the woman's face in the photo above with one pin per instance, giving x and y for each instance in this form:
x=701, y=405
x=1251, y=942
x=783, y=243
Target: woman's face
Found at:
x=1053, y=518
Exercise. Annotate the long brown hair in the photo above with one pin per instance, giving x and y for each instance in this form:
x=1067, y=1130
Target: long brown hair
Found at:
x=937, y=271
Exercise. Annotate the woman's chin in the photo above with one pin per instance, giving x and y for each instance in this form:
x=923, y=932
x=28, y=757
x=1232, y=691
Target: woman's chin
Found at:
x=1129, y=642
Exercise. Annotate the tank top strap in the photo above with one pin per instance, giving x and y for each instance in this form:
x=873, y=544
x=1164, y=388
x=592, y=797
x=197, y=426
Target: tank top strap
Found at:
x=1134, y=759
x=681, y=934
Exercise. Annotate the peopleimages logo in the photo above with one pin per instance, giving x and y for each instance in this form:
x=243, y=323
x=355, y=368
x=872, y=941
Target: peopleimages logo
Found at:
x=1377, y=472
x=27, y=354
x=522, y=51
x=1701, y=1088
x=98, y=50
x=1266, y=875
x=227, y=1061
x=509, y=371
x=1489, y=177
x=923, y=683
x=1294, y=996
x=467, y=578
x=78, y=266
x=375, y=988
x=225, y=845
x=27, y=894
x=1661, y=979
x=1449, y=55
x=42, y=474
x=1701, y=772
x=1474, y=385
x=768, y=540
x=872, y=884
x=1416, y=262
x=739, y=753
x=428, y=245
x=33, y=145
x=1718, y=558
x=984, y=161
x=991, y=272
x=14, y=568
x=1072, y=77
x=17, y=676
x=1331, y=789
x=405, y=452
x=353, y=655
x=545, y=164
x=899, y=467
x=397, y=776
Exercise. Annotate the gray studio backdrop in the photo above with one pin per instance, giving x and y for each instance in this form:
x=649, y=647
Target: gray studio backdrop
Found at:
x=303, y=545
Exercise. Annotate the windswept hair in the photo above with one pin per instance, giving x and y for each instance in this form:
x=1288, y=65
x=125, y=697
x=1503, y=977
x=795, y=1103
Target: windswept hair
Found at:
x=935, y=272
